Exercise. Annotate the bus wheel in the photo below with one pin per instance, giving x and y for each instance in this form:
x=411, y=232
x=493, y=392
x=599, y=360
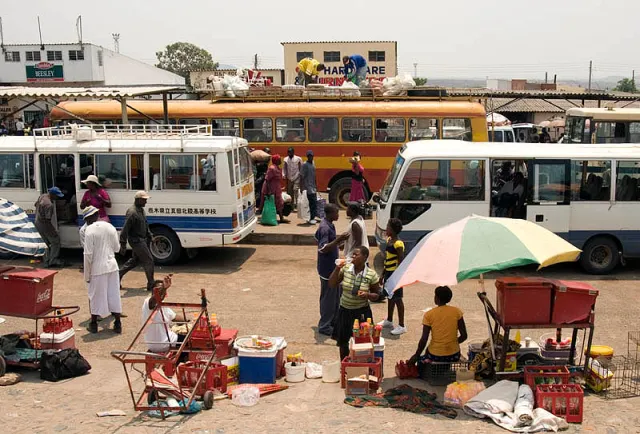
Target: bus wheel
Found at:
x=340, y=191
x=600, y=255
x=165, y=248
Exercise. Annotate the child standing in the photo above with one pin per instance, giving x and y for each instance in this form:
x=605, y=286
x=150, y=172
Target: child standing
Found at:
x=394, y=254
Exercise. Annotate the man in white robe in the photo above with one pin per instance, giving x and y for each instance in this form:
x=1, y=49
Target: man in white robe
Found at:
x=101, y=243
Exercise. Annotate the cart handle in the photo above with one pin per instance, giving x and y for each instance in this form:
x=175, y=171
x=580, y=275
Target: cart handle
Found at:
x=119, y=353
x=69, y=310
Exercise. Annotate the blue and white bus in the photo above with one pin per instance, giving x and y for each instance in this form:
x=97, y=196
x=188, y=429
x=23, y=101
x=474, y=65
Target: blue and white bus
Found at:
x=201, y=186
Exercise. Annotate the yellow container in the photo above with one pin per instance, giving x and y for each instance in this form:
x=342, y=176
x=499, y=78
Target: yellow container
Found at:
x=597, y=351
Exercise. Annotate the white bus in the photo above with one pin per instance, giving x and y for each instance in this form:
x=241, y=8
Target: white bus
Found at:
x=190, y=207
x=603, y=125
x=587, y=194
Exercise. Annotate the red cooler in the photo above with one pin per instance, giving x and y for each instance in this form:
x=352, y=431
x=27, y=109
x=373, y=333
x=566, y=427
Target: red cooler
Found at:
x=573, y=302
x=523, y=301
x=224, y=342
x=25, y=291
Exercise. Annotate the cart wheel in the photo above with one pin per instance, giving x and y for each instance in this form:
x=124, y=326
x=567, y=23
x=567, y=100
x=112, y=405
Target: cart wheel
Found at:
x=152, y=396
x=207, y=400
x=3, y=366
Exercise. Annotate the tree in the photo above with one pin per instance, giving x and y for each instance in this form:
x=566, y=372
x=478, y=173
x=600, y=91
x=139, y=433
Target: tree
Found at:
x=626, y=85
x=182, y=57
x=420, y=81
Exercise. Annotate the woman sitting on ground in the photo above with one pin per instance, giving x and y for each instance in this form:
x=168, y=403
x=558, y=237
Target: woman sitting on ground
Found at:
x=446, y=326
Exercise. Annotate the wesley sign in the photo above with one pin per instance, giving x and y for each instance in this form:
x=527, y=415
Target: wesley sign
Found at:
x=44, y=71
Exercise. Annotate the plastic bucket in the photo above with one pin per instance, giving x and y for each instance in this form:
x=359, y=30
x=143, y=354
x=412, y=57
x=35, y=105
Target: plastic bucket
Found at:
x=330, y=371
x=294, y=374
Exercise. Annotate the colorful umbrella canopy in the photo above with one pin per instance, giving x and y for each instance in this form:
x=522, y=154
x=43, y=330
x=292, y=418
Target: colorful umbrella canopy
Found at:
x=476, y=245
x=17, y=233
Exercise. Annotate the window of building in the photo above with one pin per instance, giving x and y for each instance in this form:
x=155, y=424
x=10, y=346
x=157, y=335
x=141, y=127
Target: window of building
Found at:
x=136, y=170
x=443, y=180
x=356, y=129
x=332, y=56
x=377, y=56
x=53, y=56
x=76, y=54
x=303, y=55
x=100, y=58
x=32, y=56
x=423, y=129
x=258, y=129
x=12, y=171
x=390, y=130
x=628, y=174
x=456, y=129
x=323, y=129
x=12, y=56
x=207, y=172
x=179, y=172
x=112, y=170
x=591, y=180
x=290, y=130
x=225, y=127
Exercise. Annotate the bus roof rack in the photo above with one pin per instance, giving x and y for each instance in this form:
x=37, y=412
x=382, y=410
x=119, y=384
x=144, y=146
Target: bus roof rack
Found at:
x=87, y=132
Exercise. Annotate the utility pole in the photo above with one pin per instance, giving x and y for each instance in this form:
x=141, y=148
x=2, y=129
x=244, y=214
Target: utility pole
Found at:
x=116, y=42
x=590, y=69
x=255, y=61
x=415, y=70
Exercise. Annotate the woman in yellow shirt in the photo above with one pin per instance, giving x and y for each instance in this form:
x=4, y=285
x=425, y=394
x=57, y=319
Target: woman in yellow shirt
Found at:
x=446, y=326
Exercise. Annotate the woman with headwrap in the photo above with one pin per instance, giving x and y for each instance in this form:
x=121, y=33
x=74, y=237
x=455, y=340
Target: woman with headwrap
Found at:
x=273, y=184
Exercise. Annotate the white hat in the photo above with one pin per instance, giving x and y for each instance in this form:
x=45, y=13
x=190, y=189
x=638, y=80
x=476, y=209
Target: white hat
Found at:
x=92, y=178
x=88, y=211
x=142, y=195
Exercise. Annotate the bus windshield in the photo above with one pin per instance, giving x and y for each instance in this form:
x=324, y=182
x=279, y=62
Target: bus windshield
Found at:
x=385, y=191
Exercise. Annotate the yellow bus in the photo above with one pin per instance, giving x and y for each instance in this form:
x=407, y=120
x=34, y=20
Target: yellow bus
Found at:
x=332, y=129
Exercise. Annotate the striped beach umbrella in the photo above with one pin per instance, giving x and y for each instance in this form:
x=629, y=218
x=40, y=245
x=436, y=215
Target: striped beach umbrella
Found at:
x=17, y=233
x=476, y=245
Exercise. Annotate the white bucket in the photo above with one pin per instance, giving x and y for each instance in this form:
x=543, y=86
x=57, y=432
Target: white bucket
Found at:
x=294, y=374
x=330, y=371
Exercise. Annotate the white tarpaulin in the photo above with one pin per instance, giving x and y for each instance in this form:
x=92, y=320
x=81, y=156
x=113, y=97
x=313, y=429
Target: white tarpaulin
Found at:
x=17, y=233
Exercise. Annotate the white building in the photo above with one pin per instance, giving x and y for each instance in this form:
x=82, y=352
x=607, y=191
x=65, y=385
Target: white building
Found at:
x=71, y=65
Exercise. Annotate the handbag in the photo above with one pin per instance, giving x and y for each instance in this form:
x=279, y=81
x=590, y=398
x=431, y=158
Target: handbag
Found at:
x=69, y=363
x=269, y=213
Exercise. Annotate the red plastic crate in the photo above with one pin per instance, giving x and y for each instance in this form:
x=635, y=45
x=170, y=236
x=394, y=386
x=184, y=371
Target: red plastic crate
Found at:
x=215, y=378
x=562, y=400
x=25, y=291
x=523, y=301
x=375, y=369
x=533, y=375
x=573, y=302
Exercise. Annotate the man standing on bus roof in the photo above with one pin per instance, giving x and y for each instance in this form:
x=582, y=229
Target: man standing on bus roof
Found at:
x=308, y=183
x=308, y=70
x=47, y=225
x=136, y=231
x=292, y=166
x=355, y=69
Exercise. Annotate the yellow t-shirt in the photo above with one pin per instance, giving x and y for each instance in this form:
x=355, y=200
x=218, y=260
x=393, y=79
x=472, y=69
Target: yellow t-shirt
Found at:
x=309, y=66
x=443, y=321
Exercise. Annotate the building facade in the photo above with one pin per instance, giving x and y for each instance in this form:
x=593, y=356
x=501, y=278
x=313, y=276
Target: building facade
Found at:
x=381, y=56
x=199, y=78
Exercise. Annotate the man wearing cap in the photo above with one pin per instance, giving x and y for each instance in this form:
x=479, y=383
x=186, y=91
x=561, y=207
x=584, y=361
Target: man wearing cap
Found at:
x=47, y=225
x=101, y=243
x=136, y=232
x=308, y=184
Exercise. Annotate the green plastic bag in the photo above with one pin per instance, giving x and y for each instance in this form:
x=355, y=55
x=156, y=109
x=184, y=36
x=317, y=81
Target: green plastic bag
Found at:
x=269, y=214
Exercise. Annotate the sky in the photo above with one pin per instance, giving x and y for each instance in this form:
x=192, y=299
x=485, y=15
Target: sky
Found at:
x=447, y=39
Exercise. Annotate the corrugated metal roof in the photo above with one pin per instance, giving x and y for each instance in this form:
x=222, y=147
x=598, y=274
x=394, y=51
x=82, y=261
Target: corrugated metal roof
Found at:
x=546, y=94
x=338, y=42
x=97, y=92
x=510, y=105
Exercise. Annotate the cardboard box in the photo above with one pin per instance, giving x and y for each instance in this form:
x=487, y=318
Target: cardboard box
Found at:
x=361, y=352
x=356, y=385
x=233, y=370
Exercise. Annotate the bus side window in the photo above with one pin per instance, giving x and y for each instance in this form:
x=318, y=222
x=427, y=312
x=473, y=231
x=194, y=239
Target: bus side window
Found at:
x=207, y=172
x=179, y=172
x=390, y=130
x=155, y=172
x=423, y=129
x=258, y=130
x=356, y=129
x=456, y=129
x=12, y=171
x=225, y=127
x=323, y=129
x=628, y=180
x=634, y=132
x=136, y=167
x=290, y=130
x=112, y=171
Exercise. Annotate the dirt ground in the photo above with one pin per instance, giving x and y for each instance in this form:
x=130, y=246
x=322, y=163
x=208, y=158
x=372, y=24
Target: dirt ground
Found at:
x=273, y=290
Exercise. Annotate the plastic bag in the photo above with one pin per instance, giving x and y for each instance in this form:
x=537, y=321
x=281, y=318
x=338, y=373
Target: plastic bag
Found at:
x=246, y=396
x=407, y=82
x=457, y=394
x=320, y=204
x=313, y=370
x=269, y=213
x=304, y=212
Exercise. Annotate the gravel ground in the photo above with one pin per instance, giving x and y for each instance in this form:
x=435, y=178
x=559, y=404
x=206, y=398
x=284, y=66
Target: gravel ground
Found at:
x=273, y=290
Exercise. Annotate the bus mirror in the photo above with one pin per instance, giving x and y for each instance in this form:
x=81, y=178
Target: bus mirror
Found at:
x=375, y=198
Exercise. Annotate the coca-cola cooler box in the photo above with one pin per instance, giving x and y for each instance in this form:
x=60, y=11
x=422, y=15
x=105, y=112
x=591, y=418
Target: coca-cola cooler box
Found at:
x=25, y=291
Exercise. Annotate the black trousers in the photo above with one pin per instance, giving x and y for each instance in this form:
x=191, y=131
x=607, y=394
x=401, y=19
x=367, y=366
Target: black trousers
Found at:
x=141, y=255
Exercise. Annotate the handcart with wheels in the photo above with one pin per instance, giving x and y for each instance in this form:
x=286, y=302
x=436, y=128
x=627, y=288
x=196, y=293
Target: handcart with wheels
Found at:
x=160, y=368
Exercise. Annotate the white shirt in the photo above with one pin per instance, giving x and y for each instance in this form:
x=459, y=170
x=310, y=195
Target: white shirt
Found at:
x=158, y=333
x=82, y=232
x=19, y=126
x=101, y=243
x=351, y=243
x=293, y=167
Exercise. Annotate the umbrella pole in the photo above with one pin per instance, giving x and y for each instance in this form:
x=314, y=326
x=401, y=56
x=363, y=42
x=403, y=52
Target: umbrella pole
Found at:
x=486, y=312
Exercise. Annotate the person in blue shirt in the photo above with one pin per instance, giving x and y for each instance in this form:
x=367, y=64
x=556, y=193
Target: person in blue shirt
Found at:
x=355, y=68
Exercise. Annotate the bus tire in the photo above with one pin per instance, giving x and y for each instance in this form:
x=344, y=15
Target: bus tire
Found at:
x=165, y=248
x=339, y=193
x=600, y=255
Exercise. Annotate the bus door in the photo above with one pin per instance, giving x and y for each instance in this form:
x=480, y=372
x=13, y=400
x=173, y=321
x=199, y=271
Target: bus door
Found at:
x=550, y=194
